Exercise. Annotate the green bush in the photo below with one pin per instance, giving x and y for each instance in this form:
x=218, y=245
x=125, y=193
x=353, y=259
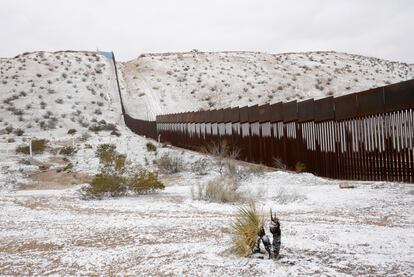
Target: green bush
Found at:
x=68, y=151
x=151, y=147
x=71, y=131
x=115, y=184
x=18, y=132
x=38, y=147
x=117, y=179
x=23, y=149
x=105, y=185
x=300, y=167
x=109, y=157
x=145, y=182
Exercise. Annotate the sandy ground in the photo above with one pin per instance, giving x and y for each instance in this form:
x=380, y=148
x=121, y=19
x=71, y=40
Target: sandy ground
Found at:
x=326, y=230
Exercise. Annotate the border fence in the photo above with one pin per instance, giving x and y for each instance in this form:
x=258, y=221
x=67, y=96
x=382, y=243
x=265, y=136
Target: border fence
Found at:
x=367, y=135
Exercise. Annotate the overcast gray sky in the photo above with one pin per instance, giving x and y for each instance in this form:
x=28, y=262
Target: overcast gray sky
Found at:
x=380, y=28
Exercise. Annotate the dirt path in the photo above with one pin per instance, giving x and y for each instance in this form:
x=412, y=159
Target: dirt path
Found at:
x=52, y=179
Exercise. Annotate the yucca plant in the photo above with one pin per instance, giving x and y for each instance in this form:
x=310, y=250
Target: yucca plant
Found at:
x=246, y=228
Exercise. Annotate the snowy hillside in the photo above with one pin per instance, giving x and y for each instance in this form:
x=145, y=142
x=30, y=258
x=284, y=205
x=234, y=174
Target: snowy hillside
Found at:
x=68, y=98
x=178, y=82
x=56, y=91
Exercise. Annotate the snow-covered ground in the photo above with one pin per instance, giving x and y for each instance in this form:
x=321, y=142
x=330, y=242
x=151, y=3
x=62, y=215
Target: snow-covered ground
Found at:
x=180, y=82
x=47, y=229
x=365, y=231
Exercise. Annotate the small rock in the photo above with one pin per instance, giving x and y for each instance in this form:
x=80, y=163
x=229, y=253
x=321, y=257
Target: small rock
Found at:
x=346, y=186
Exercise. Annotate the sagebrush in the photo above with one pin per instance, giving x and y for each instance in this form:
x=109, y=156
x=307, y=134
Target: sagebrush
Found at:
x=117, y=177
x=170, y=164
x=144, y=182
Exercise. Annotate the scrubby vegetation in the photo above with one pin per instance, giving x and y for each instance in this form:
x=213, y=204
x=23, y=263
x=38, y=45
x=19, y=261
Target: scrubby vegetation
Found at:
x=72, y=131
x=224, y=155
x=170, y=164
x=68, y=151
x=201, y=166
x=144, y=182
x=221, y=190
x=300, y=167
x=109, y=158
x=285, y=196
x=103, y=126
x=19, y=132
x=151, y=147
x=38, y=147
x=105, y=184
x=118, y=177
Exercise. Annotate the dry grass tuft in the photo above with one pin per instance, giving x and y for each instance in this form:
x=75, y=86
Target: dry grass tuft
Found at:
x=285, y=196
x=346, y=186
x=221, y=190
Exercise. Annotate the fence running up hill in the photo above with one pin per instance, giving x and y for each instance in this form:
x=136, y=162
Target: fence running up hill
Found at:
x=367, y=135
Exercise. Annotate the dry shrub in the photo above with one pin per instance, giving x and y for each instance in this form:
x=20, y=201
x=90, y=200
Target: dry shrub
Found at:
x=85, y=136
x=68, y=151
x=257, y=170
x=284, y=196
x=223, y=153
x=38, y=147
x=200, y=167
x=246, y=228
x=279, y=164
x=169, y=164
x=221, y=190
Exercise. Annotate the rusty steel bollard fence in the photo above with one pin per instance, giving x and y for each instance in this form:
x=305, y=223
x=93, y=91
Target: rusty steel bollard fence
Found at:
x=367, y=135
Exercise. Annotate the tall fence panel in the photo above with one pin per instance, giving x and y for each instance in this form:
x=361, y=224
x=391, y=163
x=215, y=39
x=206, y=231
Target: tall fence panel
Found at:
x=362, y=136
x=141, y=127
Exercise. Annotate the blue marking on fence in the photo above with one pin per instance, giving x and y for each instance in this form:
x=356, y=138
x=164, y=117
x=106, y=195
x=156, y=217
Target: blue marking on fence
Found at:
x=106, y=54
